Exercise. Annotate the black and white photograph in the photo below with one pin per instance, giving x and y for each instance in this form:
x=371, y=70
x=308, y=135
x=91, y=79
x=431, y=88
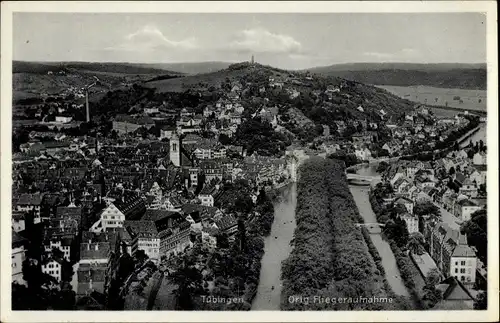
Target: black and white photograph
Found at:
x=326, y=160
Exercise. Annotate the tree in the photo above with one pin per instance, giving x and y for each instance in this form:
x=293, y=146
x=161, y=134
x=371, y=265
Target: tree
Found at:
x=415, y=243
x=427, y=208
x=430, y=294
x=382, y=167
x=189, y=282
x=451, y=171
x=481, y=301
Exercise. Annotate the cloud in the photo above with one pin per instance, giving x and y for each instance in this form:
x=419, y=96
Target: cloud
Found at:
x=403, y=53
x=150, y=38
x=379, y=55
x=259, y=40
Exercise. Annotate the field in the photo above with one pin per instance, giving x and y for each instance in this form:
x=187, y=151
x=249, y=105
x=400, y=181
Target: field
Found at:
x=441, y=96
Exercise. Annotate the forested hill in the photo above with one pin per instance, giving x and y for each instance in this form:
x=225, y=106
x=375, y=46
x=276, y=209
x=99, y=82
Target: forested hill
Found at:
x=460, y=76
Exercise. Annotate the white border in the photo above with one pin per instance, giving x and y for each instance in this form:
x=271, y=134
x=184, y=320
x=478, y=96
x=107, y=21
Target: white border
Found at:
x=487, y=7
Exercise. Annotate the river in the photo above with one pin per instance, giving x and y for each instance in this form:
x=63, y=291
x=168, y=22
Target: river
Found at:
x=361, y=197
x=276, y=249
x=476, y=137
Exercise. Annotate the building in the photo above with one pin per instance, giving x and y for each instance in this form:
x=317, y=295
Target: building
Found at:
x=62, y=243
x=479, y=158
x=207, y=195
x=411, y=222
x=63, y=119
x=449, y=249
x=455, y=296
x=18, y=221
x=173, y=230
x=167, y=132
x=52, y=267
x=18, y=256
x=117, y=212
x=464, y=208
x=30, y=203
x=227, y=225
x=175, y=150
x=406, y=202
x=144, y=237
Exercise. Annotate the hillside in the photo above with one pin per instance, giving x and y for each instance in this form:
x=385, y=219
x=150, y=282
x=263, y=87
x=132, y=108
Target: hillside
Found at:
x=112, y=68
x=189, y=68
x=309, y=103
x=32, y=79
x=460, y=76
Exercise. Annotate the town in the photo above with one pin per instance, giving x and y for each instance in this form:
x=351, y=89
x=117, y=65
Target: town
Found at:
x=118, y=202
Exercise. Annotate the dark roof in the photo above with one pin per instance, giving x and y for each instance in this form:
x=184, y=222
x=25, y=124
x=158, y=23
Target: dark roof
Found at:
x=143, y=229
x=69, y=212
x=17, y=239
x=99, y=250
x=460, y=178
x=226, y=222
x=30, y=199
x=480, y=168
x=18, y=215
x=156, y=215
x=133, y=208
x=448, y=285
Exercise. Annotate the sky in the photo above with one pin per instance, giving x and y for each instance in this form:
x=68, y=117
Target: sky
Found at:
x=290, y=41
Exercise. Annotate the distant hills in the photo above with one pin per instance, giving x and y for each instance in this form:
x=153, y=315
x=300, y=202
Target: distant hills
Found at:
x=190, y=68
x=460, y=76
x=114, y=68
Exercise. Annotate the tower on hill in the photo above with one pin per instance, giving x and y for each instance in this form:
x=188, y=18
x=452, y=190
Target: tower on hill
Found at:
x=252, y=61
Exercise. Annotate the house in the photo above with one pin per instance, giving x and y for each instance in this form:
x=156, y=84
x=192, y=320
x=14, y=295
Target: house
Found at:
x=172, y=203
x=463, y=209
x=449, y=249
x=91, y=278
x=63, y=119
x=479, y=174
x=212, y=170
x=144, y=237
x=63, y=243
x=479, y=158
x=53, y=267
x=227, y=225
x=151, y=110
x=167, y=132
x=117, y=212
x=468, y=188
x=173, y=231
x=363, y=153
x=455, y=296
x=411, y=222
x=406, y=202
x=207, y=195
x=18, y=221
x=30, y=203
x=412, y=168
x=18, y=256
x=363, y=138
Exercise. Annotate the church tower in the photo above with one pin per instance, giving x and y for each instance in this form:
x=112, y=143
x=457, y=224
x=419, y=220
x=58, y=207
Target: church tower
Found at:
x=175, y=150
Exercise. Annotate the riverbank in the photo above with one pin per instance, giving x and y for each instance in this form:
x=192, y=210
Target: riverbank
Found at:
x=276, y=248
x=388, y=260
x=408, y=272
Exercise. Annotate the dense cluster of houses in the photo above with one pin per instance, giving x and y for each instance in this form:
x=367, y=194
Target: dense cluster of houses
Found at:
x=97, y=199
x=455, y=184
